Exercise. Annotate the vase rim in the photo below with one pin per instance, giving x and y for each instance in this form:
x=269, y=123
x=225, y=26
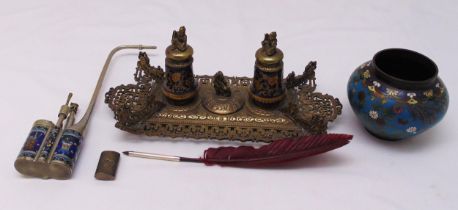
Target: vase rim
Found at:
x=397, y=66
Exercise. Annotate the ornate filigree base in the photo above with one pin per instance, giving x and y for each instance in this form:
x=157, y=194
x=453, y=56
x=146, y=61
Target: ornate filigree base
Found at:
x=175, y=103
x=302, y=111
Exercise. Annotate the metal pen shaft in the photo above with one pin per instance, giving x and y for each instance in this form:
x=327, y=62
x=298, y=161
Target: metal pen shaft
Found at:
x=152, y=156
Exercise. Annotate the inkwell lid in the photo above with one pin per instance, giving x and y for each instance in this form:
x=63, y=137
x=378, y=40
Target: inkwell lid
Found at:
x=269, y=54
x=179, y=50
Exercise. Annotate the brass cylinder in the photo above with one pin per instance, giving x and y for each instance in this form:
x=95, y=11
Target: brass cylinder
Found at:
x=267, y=89
x=26, y=161
x=65, y=155
x=179, y=87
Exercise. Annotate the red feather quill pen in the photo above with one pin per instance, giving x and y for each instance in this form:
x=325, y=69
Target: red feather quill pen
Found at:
x=279, y=151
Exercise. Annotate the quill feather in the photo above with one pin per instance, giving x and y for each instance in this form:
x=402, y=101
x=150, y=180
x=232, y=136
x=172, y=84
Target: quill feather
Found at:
x=276, y=152
x=279, y=151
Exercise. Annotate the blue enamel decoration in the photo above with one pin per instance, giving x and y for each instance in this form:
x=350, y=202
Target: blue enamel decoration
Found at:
x=33, y=142
x=44, y=154
x=391, y=103
x=68, y=148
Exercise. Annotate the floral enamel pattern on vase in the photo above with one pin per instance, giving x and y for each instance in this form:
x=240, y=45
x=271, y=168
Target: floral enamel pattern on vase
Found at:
x=391, y=103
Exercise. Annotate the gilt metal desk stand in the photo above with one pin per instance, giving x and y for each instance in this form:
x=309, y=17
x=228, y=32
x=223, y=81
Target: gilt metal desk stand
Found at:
x=177, y=103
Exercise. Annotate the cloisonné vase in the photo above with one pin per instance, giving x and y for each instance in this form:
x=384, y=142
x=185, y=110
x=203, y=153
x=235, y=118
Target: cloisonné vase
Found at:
x=397, y=94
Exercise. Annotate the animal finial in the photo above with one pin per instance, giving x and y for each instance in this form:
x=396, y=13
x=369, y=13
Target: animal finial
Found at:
x=269, y=44
x=179, y=39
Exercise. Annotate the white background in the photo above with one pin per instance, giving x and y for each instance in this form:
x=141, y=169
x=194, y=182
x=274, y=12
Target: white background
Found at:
x=48, y=48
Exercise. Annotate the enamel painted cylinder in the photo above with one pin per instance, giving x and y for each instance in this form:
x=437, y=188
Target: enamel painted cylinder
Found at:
x=267, y=89
x=179, y=86
x=35, y=142
x=66, y=154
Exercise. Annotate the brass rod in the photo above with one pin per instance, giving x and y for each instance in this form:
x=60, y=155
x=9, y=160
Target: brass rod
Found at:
x=63, y=114
x=60, y=122
x=81, y=125
x=71, y=116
